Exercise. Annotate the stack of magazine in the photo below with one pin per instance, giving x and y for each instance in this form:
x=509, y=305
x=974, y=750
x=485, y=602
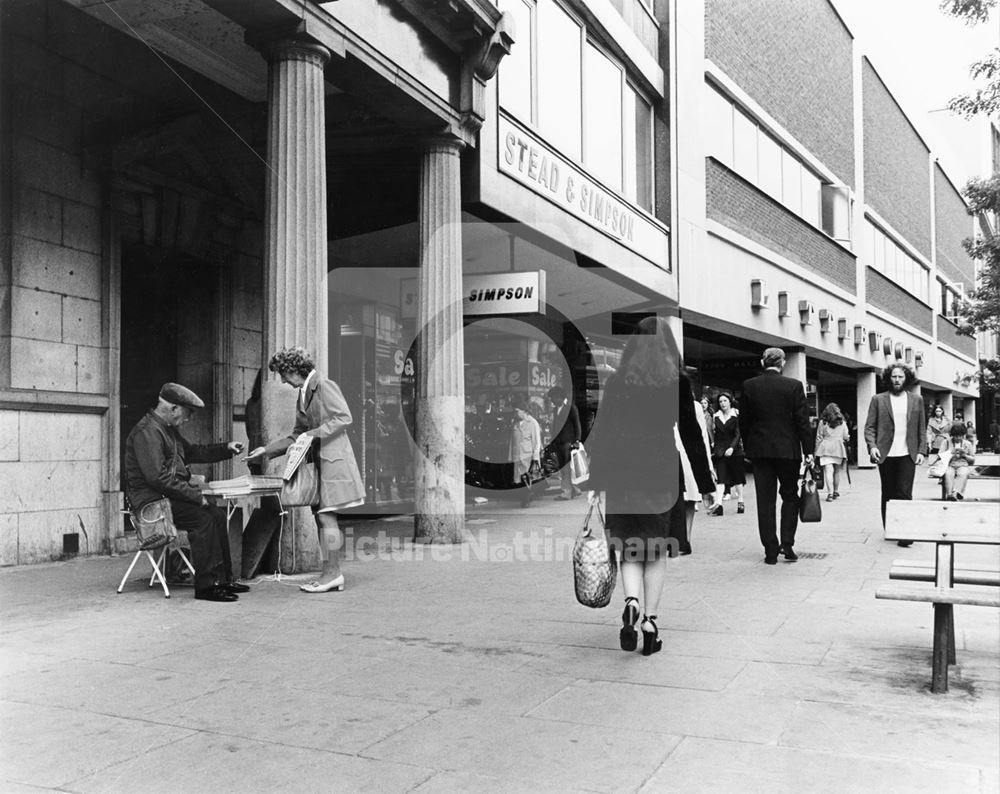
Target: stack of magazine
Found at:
x=245, y=485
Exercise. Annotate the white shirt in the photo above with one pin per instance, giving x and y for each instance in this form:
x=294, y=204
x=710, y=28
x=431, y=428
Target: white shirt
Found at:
x=302, y=390
x=899, y=404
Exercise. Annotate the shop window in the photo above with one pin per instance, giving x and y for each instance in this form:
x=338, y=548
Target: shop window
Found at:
x=515, y=69
x=560, y=59
x=602, y=106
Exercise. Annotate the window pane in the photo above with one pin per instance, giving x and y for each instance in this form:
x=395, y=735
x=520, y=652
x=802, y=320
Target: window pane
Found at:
x=745, y=146
x=718, y=126
x=559, y=69
x=515, y=69
x=791, y=182
x=769, y=165
x=879, y=261
x=638, y=150
x=810, y=197
x=603, y=108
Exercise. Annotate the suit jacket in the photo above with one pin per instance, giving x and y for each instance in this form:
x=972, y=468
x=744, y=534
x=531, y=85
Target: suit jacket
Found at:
x=880, y=427
x=774, y=419
x=326, y=416
x=567, y=419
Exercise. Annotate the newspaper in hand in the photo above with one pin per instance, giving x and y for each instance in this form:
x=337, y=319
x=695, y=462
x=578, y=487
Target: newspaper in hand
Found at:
x=296, y=454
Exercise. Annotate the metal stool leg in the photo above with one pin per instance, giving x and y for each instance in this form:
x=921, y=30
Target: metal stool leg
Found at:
x=135, y=559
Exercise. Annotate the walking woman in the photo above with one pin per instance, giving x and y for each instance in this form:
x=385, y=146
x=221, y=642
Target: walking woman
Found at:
x=728, y=451
x=831, y=448
x=323, y=414
x=937, y=433
x=635, y=462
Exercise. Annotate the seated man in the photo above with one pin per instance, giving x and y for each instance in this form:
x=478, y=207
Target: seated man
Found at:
x=156, y=466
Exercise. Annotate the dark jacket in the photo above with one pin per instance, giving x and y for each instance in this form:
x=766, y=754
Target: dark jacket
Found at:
x=880, y=426
x=567, y=419
x=774, y=419
x=632, y=444
x=156, y=462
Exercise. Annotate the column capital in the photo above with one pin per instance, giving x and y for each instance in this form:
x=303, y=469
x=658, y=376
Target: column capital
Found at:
x=295, y=49
x=442, y=144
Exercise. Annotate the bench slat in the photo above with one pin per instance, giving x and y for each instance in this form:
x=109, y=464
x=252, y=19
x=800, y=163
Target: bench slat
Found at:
x=921, y=571
x=938, y=595
x=952, y=522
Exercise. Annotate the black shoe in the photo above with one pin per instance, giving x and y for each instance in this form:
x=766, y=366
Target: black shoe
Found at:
x=740, y=507
x=716, y=510
x=651, y=641
x=215, y=593
x=235, y=587
x=904, y=543
x=789, y=553
x=770, y=559
x=627, y=637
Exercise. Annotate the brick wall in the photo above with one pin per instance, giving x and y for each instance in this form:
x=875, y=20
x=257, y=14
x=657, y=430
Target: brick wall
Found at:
x=896, y=175
x=947, y=333
x=794, y=58
x=952, y=224
x=890, y=297
x=745, y=209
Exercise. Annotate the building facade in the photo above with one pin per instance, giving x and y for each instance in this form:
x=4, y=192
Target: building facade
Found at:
x=812, y=214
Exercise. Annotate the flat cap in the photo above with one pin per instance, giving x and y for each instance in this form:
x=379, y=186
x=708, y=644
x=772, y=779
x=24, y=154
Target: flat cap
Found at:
x=176, y=394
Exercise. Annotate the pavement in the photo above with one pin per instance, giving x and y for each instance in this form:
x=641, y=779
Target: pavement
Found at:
x=472, y=668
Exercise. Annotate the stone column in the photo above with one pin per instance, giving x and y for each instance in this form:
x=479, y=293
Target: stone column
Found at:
x=866, y=388
x=795, y=365
x=440, y=453
x=295, y=254
x=948, y=403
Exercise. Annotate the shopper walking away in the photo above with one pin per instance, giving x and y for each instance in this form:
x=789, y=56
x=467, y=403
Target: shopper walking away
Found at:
x=774, y=422
x=566, y=422
x=831, y=448
x=635, y=462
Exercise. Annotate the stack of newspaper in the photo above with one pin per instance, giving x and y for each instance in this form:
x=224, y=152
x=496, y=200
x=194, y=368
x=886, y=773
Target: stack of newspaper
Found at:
x=245, y=485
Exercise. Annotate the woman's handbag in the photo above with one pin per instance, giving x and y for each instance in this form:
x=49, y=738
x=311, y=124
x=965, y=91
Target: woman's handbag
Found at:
x=579, y=462
x=154, y=524
x=301, y=488
x=940, y=466
x=809, y=508
x=595, y=566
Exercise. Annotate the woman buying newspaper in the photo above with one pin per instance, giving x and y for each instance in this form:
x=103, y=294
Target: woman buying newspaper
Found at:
x=322, y=414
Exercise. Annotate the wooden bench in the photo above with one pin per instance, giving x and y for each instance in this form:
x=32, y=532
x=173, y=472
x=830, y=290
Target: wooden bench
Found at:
x=946, y=524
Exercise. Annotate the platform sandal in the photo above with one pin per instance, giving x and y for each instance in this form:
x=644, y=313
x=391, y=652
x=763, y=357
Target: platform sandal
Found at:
x=630, y=615
x=651, y=642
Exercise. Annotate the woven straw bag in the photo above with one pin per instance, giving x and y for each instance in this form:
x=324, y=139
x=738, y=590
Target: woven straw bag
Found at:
x=595, y=567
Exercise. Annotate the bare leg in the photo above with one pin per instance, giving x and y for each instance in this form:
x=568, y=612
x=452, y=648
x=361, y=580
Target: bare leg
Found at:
x=738, y=490
x=828, y=478
x=949, y=480
x=836, y=478
x=654, y=574
x=331, y=541
x=961, y=478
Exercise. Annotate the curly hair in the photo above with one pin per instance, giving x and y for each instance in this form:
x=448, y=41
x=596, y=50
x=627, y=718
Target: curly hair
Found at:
x=292, y=360
x=832, y=415
x=911, y=377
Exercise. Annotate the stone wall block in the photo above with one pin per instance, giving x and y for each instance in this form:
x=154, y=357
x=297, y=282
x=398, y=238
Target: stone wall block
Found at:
x=38, y=215
x=40, y=534
x=41, y=485
x=82, y=227
x=248, y=310
x=10, y=438
x=8, y=538
x=53, y=268
x=36, y=315
x=42, y=365
x=41, y=114
x=60, y=437
x=91, y=369
x=81, y=321
x=35, y=66
x=247, y=350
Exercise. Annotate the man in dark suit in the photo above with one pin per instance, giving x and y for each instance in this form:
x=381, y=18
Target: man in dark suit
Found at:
x=896, y=434
x=774, y=423
x=566, y=419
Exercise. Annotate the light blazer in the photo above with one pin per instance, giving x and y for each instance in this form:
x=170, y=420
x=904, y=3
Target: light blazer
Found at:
x=880, y=426
x=327, y=417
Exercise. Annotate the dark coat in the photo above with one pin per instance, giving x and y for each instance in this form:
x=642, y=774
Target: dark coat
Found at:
x=567, y=419
x=880, y=426
x=632, y=445
x=327, y=417
x=156, y=462
x=774, y=419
